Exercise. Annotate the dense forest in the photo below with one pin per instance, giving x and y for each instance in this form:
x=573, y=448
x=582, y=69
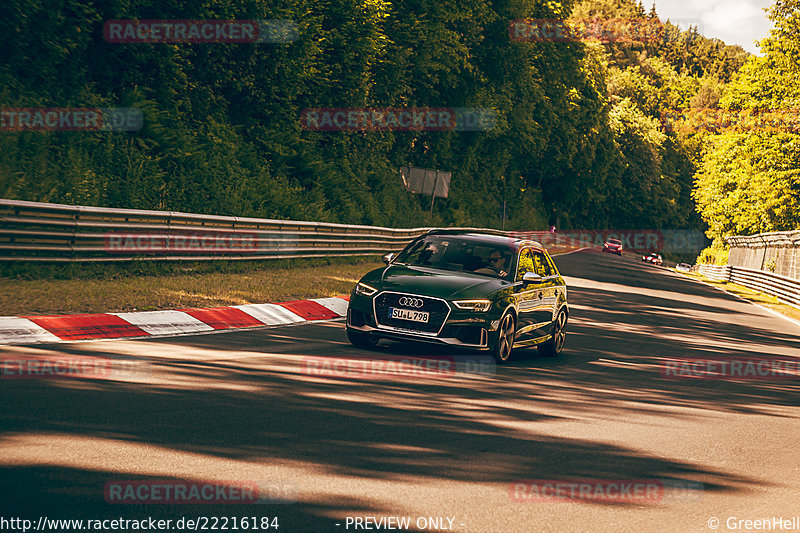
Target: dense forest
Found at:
x=578, y=138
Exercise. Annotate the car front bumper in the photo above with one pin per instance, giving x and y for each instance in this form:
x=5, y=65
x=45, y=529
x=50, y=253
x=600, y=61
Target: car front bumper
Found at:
x=396, y=334
x=467, y=329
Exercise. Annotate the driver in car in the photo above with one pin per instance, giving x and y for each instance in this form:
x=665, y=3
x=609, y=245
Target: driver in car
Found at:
x=496, y=266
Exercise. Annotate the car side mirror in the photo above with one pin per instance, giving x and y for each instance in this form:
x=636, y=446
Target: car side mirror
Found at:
x=388, y=258
x=531, y=277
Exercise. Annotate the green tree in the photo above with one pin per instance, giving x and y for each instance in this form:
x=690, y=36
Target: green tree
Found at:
x=750, y=181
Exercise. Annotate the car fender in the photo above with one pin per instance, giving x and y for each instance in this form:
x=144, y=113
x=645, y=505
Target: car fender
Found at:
x=512, y=306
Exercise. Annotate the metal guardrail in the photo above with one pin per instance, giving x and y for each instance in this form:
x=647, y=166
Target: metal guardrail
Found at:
x=786, y=290
x=33, y=231
x=715, y=272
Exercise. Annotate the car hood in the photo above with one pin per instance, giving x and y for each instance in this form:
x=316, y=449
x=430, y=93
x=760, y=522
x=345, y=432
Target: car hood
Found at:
x=433, y=282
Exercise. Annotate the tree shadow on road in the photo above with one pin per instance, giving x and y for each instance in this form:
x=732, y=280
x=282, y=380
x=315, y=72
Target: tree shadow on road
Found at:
x=247, y=398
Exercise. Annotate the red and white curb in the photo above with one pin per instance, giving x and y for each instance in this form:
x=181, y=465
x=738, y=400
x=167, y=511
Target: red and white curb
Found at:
x=58, y=328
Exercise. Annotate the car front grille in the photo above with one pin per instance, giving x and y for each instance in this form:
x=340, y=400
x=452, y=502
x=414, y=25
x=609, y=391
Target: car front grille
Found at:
x=437, y=308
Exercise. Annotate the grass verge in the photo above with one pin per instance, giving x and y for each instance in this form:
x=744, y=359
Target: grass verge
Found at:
x=97, y=288
x=765, y=300
x=70, y=288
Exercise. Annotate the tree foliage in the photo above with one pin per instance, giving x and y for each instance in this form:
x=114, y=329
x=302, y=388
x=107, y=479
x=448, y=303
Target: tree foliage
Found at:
x=749, y=181
x=577, y=139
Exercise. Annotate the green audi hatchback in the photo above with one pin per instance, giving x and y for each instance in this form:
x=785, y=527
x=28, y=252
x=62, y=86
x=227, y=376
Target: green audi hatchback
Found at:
x=476, y=290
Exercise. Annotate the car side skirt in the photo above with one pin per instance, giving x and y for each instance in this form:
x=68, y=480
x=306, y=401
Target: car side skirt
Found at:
x=526, y=329
x=533, y=342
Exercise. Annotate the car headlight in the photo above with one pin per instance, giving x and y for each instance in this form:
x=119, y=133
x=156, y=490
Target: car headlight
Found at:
x=365, y=290
x=480, y=306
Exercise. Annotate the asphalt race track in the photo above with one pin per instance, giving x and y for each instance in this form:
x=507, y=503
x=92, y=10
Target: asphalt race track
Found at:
x=447, y=447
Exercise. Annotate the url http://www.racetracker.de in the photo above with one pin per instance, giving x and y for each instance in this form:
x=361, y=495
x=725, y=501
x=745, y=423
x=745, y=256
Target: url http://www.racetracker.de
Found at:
x=252, y=524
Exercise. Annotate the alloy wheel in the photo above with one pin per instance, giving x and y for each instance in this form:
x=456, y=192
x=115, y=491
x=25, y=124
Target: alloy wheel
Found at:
x=560, y=332
x=505, y=337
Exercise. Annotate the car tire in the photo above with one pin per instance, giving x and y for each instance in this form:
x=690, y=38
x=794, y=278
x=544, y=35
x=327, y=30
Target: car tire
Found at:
x=361, y=339
x=502, y=343
x=555, y=345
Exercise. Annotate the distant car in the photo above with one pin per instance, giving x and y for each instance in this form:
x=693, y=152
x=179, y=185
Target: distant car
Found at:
x=653, y=258
x=613, y=246
x=467, y=289
x=684, y=267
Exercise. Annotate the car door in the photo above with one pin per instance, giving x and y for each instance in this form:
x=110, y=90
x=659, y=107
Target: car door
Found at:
x=555, y=290
x=535, y=300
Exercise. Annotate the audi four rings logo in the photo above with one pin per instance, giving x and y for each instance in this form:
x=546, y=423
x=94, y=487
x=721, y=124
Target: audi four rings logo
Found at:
x=410, y=302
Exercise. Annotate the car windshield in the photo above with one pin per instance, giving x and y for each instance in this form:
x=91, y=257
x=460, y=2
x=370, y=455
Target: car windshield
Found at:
x=614, y=241
x=461, y=255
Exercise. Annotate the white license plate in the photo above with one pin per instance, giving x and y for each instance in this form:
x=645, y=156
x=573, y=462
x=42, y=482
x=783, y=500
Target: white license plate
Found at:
x=408, y=314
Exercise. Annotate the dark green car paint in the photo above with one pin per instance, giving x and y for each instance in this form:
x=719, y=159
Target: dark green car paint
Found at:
x=534, y=305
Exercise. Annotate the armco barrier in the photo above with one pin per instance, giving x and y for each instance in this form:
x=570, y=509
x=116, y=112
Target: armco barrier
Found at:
x=785, y=289
x=715, y=272
x=766, y=262
x=33, y=231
